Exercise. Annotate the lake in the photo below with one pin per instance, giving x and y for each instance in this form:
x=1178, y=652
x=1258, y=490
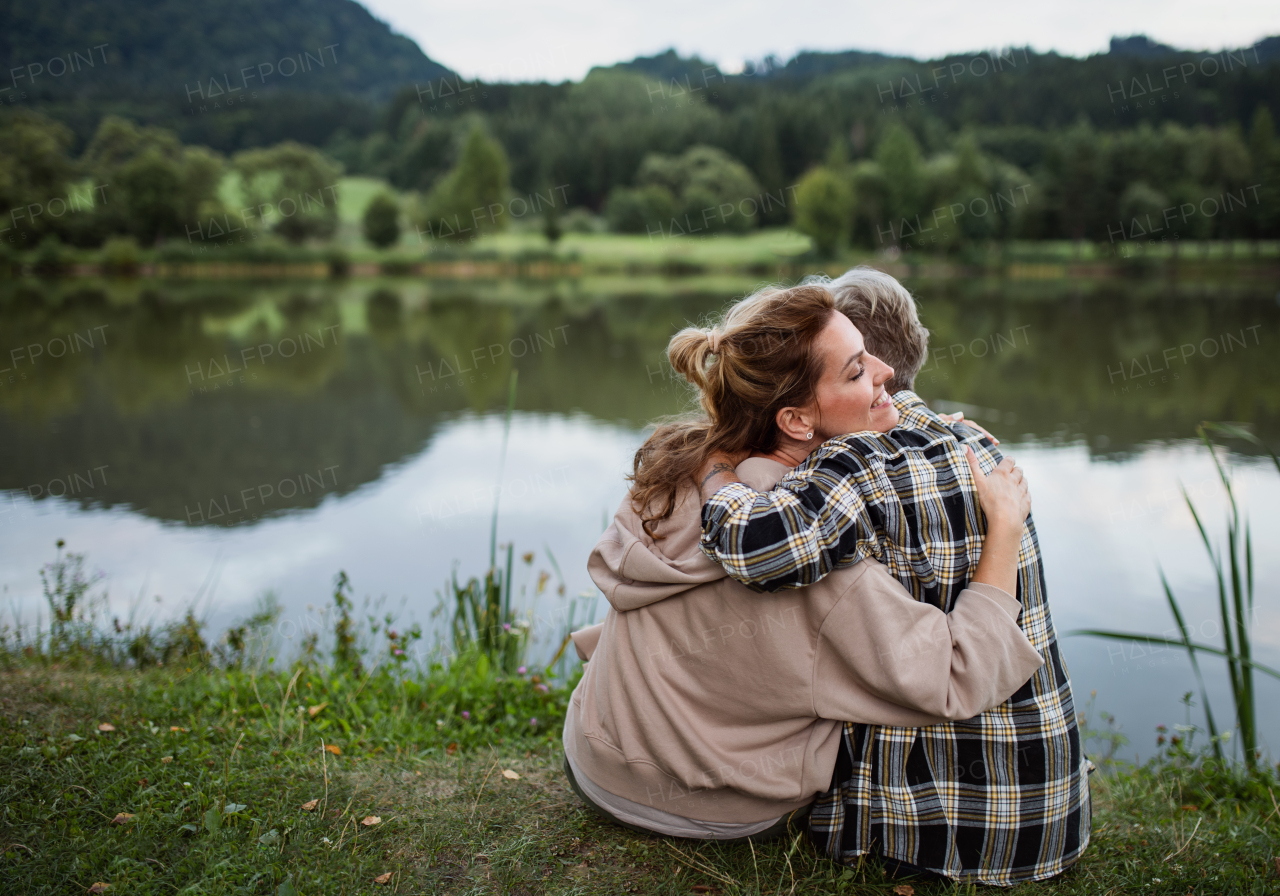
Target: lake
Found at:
x=207, y=442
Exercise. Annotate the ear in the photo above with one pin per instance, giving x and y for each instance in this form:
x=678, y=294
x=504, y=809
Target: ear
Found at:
x=795, y=423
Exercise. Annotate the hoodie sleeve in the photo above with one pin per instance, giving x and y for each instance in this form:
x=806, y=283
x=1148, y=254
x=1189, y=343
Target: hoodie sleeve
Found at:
x=883, y=657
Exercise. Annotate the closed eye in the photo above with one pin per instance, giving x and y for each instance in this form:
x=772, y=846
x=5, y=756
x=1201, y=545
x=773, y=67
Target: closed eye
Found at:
x=862, y=368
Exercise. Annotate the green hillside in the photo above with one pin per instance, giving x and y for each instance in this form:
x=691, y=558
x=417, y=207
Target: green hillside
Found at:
x=229, y=75
x=161, y=48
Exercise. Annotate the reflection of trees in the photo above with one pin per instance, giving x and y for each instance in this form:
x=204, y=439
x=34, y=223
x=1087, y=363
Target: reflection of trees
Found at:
x=363, y=404
x=1065, y=379
x=135, y=406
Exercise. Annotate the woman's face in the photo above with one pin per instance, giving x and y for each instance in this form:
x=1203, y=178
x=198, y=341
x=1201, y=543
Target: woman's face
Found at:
x=851, y=396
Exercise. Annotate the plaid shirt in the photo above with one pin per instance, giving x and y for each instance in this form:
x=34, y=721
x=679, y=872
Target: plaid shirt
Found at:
x=997, y=799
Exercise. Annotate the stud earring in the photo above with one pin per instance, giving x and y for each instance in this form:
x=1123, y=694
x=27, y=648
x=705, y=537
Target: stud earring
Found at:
x=809, y=436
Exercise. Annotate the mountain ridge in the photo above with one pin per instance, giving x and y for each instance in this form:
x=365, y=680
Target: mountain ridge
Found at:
x=807, y=64
x=170, y=49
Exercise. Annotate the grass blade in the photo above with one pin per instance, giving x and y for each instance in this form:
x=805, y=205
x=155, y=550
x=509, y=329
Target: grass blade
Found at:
x=502, y=462
x=1195, y=664
x=1223, y=612
x=1235, y=431
x=1152, y=639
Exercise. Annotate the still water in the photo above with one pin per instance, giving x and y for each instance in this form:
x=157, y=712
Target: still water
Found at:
x=205, y=443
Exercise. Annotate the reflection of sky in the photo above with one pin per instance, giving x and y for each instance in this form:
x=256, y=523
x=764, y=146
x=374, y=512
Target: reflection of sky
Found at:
x=1105, y=526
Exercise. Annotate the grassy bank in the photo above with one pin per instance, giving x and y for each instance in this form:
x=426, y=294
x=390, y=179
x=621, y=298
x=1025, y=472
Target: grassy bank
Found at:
x=203, y=781
x=527, y=253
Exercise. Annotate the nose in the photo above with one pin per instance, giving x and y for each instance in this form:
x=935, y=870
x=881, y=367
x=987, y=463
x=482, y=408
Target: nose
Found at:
x=884, y=374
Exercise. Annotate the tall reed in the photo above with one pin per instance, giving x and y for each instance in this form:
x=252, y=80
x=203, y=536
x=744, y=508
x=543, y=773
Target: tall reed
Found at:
x=1233, y=569
x=483, y=618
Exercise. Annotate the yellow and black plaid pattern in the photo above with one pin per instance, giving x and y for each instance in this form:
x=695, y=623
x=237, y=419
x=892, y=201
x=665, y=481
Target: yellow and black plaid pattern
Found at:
x=997, y=799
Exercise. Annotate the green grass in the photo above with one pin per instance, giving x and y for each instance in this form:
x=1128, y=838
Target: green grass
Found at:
x=355, y=194
x=451, y=821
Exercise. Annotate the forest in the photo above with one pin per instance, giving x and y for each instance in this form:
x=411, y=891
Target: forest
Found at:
x=178, y=134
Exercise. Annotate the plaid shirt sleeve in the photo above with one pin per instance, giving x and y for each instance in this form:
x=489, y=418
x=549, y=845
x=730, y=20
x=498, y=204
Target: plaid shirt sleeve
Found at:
x=815, y=520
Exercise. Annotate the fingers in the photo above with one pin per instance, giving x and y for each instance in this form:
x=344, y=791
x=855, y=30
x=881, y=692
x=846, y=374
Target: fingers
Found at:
x=978, y=475
x=1010, y=466
x=983, y=430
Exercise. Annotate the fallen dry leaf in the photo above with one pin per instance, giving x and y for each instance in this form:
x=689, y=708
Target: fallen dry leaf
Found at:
x=166, y=759
x=106, y=726
x=143, y=782
x=904, y=890
x=1276, y=859
x=383, y=878
x=370, y=820
x=333, y=748
x=510, y=775
x=1190, y=808
x=314, y=711
x=177, y=728
x=451, y=749
x=310, y=806
x=122, y=818
x=99, y=887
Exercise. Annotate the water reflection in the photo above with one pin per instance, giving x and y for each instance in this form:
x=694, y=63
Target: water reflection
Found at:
x=197, y=392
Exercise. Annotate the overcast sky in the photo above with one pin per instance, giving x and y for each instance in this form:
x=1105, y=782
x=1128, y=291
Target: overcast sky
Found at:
x=518, y=40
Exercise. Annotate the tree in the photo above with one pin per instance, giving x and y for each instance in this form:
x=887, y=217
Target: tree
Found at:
x=898, y=156
x=381, y=223
x=823, y=203
x=151, y=186
x=157, y=187
x=649, y=209
x=702, y=190
x=867, y=182
x=1141, y=212
x=1266, y=167
x=715, y=192
x=1078, y=171
x=294, y=186
x=471, y=198
x=34, y=171
x=551, y=227
x=1263, y=212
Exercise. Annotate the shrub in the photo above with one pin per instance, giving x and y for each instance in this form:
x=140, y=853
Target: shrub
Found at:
x=51, y=257
x=823, y=206
x=339, y=262
x=639, y=209
x=381, y=223
x=581, y=220
x=120, y=255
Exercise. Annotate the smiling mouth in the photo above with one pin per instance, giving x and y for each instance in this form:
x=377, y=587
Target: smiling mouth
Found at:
x=881, y=401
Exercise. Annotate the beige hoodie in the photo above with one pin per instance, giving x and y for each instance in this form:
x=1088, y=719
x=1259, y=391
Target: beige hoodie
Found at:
x=710, y=701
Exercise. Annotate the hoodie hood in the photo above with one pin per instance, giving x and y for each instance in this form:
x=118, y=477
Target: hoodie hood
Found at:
x=635, y=570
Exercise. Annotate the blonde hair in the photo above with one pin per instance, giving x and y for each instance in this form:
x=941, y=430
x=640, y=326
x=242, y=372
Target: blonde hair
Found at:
x=758, y=359
x=885, y=313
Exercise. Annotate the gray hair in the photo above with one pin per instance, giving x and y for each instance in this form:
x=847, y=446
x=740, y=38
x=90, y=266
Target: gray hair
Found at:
x=886, y=314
